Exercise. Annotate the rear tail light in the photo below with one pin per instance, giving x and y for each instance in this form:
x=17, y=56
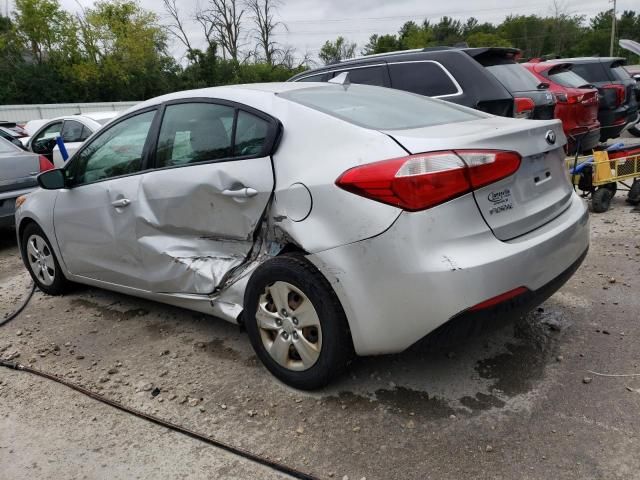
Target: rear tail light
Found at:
x=45, y=164
x=570, y=99
x=524, y=107
x=616, y=92
x=422, y=181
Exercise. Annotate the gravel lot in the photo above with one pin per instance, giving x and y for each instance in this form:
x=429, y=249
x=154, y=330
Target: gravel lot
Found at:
x=515, y=403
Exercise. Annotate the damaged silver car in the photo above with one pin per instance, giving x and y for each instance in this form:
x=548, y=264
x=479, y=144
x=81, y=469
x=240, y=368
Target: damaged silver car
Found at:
x=327, y=218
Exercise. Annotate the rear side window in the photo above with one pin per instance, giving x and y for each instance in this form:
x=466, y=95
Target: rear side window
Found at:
x=515, y=77
x=423, y=78
x=370, y=107
x=73, y=131
x=376, y=76
x=204, y=132
x=592, y=72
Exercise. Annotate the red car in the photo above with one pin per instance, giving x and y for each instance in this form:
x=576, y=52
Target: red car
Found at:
x=577, y=102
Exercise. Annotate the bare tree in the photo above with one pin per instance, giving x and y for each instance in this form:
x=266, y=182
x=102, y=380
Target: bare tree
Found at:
x=176, y=24
x=224, y=18
x=263, y=13
x=202, y=17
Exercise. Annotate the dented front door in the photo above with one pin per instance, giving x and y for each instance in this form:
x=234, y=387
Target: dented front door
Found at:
x=199, y=209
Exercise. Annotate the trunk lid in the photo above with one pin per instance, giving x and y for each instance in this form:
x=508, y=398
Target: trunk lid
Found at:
x=536, y=194
x=18, y=170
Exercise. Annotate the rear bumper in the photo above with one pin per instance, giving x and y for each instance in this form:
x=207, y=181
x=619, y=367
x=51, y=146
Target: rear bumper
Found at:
x=430, y=266
x=514, y=307
x=7, y=212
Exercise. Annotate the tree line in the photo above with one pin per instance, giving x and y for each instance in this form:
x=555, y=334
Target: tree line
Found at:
x=557, y=35
x=116, y=50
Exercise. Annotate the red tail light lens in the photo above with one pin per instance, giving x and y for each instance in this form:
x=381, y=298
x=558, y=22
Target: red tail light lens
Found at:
x=524, y=107
x=422, y=181
x=45, y=164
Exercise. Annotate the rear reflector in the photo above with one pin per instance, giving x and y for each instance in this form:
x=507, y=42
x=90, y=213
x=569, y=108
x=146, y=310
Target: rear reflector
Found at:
x=500, y=299
x=524, y=107
x=422, y=181
x=45, y=164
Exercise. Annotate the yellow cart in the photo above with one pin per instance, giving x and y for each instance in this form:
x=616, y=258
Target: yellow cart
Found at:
x=598, y=175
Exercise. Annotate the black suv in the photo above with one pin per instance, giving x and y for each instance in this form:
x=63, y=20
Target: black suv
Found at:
x=532, y=97
x=446, y=73
x=617, y=92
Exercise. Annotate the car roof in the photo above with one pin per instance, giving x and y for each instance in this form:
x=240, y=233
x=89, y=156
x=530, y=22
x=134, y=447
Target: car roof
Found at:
x=95, y=116
x=228, y=91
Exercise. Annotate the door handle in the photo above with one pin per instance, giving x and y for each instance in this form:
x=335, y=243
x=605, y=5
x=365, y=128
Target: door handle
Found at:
x=244, y=192
x=124, y=202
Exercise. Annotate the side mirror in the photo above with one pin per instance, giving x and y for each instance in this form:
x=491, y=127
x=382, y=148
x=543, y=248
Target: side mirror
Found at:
x=52, y=179
x=637, y=77
x=543, y=86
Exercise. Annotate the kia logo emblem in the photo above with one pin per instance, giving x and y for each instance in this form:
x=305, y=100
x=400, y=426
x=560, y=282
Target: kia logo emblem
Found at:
x=550, y=137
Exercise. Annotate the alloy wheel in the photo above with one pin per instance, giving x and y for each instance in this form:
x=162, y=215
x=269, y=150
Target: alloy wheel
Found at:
x=41, y=260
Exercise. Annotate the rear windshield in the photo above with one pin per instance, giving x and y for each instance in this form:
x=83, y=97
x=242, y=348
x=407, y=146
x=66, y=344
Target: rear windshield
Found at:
x=380, y=108
x=620, y=73
x=567, y=78
x=515, y=77
x=591, y=71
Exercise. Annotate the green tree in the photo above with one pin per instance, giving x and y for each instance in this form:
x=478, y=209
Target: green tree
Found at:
x=481, y=39
x=340, y=49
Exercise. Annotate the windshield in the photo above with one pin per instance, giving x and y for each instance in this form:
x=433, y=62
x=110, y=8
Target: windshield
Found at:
x=620, y=73
x=380, y=109
x=515, y=77
x=567, y=78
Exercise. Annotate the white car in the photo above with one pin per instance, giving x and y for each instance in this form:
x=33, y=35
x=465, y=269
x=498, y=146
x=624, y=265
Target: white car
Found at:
x=74, y=130
x=325, y=218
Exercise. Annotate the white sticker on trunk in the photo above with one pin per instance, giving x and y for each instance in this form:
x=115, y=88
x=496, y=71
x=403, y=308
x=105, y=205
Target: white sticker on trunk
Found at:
x=501, y=201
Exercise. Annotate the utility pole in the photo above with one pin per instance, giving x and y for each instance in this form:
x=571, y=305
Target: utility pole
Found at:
x=613, y=29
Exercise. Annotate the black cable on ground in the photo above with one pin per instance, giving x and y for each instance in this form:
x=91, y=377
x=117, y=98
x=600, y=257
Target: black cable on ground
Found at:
x=159, y=421
x=151, y=418
x=21, y=307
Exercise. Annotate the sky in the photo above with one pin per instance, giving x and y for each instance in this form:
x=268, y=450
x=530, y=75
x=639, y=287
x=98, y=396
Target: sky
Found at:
x=311, y=22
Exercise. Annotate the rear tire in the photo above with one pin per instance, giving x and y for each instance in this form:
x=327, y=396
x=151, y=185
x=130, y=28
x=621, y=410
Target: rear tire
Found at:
x=296, y=323
x=601, y=200
x=634, y=193
x=41, y=261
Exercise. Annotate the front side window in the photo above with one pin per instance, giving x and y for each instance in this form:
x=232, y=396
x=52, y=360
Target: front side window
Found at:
x=44, y=141
x=116, y=151
x=204, y=132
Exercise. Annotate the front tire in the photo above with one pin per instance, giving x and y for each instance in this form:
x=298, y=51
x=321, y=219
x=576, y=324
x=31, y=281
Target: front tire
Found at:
x=296, y=323
x=41, y=261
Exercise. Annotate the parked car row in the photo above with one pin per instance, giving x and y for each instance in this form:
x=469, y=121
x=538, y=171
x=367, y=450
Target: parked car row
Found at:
x=595, y=98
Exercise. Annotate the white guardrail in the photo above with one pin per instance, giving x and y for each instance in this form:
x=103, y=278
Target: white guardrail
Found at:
x=24, y=113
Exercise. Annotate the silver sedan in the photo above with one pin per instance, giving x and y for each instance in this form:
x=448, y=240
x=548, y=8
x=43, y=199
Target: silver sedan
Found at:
x=327, y=218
